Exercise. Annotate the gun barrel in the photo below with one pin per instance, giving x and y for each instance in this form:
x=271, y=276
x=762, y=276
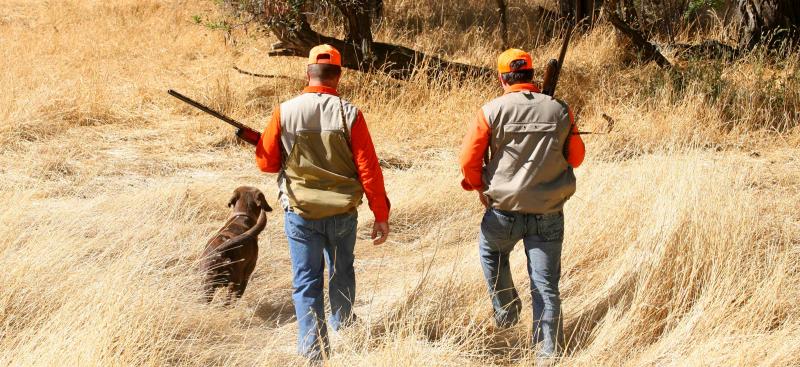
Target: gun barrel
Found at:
x=242, y=131
x=563, y=53
x=207, y=110
x=560, y=62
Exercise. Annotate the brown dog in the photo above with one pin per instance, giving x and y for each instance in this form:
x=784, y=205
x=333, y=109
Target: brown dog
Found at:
x=230, y=256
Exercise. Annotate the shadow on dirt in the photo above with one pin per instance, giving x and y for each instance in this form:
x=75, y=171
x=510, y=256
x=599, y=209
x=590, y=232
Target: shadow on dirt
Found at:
x=275, y=315
x=578, y=330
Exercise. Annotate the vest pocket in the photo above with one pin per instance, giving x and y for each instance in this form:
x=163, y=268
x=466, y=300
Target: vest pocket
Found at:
x=529, y=127
x=321, y=177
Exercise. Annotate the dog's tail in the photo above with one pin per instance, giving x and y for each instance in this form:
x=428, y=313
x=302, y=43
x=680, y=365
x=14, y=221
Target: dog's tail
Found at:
x=252, y=232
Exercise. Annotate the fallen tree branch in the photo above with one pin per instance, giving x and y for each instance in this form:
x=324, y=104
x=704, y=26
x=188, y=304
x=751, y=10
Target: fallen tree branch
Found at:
x=708, y=49
x=397, y=61
x=649, y=50
x=245, y=72
x=289, y=23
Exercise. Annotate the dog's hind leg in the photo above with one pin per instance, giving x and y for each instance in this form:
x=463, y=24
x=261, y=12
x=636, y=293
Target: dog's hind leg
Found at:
x=208, y=289
x=248, y=271
x=240, y=289
x=233, y=292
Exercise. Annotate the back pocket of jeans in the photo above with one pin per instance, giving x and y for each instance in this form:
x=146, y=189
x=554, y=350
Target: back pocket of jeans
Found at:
x=497, y=225
x=346, y=224
x=296, y=229
x=551, y=226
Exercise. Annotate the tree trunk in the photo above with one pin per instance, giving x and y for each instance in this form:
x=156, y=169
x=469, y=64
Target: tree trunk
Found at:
x=576, y=11
x=628, y=10
x=358, y=49
x=566, y=9
x=502, y=11
x=771, y=21
x=358, y=27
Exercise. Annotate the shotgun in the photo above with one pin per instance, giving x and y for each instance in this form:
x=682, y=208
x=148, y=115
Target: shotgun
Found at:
x=553, y=68
x=243, y=131
x=552, y=71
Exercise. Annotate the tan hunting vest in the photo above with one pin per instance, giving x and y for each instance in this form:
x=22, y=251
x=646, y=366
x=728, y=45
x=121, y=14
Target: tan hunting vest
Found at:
x=525, y=169
x=319, y=178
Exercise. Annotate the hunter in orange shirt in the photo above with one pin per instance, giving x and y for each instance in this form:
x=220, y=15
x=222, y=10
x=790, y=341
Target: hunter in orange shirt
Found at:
x=519, y=155
x=321, y=148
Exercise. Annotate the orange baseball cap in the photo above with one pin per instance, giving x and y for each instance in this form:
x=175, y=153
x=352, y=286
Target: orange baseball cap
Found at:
x=512, y=54
x=324, y=54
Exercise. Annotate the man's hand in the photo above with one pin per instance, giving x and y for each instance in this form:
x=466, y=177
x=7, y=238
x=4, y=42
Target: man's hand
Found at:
x=483, y=199
x=381, y=228
x=248, y=135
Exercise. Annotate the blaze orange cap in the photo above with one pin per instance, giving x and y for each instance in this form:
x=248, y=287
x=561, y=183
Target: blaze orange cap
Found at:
x=512, y=54
x=324, y=54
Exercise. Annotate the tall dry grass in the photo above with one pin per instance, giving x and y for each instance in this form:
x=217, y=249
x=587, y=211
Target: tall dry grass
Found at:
x=682, y=244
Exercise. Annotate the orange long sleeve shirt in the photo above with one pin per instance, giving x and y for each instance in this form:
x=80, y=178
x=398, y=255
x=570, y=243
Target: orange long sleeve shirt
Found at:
x=476, y=142
x=269, y=157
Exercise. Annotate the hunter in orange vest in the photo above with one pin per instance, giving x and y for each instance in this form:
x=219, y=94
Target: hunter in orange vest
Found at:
x=321, y=147
x=519, y=156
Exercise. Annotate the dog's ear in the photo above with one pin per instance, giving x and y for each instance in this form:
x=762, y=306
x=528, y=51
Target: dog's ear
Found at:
x=233, y=199
x=262, y=202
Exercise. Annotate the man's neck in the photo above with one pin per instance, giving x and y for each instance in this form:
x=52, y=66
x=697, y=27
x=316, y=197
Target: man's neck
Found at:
x=315, y=86
x=520, y=87
x=320, y=89
x=320, y=83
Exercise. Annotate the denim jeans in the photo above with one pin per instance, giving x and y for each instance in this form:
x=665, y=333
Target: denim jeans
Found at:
x=310, y=240
x=543, y=235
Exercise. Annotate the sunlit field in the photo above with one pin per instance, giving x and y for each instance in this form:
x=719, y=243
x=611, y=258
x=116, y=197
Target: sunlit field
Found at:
x=682, y=242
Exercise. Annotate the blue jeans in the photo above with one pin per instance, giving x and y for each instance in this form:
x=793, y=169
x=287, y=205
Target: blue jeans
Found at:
x=543, y=235
x=310, y=240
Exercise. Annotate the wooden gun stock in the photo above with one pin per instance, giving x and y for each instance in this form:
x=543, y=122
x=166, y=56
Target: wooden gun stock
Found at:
x=550, y=78
x=553, y=68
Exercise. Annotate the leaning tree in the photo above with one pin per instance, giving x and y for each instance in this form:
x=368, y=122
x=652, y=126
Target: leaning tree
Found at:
x=288, y=21
x=773, y=22
x=770, y=21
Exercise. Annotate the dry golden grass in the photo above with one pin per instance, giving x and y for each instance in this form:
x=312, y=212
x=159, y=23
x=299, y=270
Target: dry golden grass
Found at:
x=682, y=244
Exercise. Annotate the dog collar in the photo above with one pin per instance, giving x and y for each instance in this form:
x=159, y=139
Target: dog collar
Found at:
x=240, y=214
